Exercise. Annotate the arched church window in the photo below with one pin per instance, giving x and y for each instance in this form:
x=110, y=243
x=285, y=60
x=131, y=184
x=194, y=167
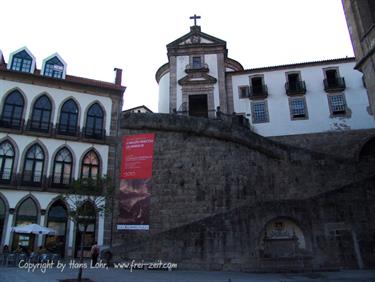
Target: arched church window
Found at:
x=95, y=122
x=11, y=116
x=6, y=161
x=33, y=166
x=57, y=220
x=68, y=118
x=62, y=167
x=90, y=165
x=41, y=116
x=27, y=213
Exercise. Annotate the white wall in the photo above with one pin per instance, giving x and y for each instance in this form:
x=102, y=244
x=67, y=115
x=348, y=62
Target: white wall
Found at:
x=182, y=62
x=211, y=61
x=164, y=94
x=319, y=119
x=58, y=97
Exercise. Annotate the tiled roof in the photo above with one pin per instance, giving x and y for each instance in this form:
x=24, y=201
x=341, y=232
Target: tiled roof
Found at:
x=72, y=79
x=296, y=65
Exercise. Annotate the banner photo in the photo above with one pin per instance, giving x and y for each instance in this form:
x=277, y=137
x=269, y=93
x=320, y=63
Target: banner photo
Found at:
x=136, y=182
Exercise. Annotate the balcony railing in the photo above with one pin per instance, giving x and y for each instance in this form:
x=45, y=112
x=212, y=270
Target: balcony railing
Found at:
x=15, y=123
x=295, y=88
x=196, y=68
x=38, y=126
x=258, y=91
x=334, y=85
x=46, y=128
x=63, y=129
x=94, y=133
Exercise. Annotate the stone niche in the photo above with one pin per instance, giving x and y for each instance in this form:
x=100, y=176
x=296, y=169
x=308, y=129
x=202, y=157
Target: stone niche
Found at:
x=282, y=239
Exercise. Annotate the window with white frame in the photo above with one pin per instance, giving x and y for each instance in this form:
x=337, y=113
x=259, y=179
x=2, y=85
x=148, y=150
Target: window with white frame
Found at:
x=259, y=112
x=298, y=109
x=21, y=62
x=337, y=104
x=54, y=68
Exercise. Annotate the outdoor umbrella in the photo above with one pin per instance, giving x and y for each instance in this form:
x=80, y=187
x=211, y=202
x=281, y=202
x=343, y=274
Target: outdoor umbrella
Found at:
x=34, y=229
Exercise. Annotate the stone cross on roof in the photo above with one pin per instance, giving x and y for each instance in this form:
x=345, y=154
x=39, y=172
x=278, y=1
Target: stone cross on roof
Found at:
x=195, y=17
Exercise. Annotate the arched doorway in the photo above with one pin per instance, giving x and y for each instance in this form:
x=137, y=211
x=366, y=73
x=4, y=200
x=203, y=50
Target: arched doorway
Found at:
x=57, y=219
x=87, y=220
x=2, y=218
x=27, y=213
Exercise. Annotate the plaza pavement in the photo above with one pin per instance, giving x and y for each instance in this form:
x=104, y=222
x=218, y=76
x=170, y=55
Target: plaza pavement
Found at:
x=14, y=274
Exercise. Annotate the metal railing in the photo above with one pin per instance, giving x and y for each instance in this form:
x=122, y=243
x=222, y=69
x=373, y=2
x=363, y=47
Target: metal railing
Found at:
x=258, y=91
x=337, y=84
x=64, y=129
x=297, y=87
x=12, y=123
x=217, y=114
x=93, y=133
x=48, y=128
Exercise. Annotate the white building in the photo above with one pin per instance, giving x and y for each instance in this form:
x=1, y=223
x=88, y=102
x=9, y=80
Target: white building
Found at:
x=291, y=99
x=54, y=128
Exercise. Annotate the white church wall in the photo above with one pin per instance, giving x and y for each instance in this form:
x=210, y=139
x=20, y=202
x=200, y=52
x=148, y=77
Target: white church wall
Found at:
x=58, y=97
x=182, y=62
x=319, y=120
x=164, y=94
x=211, y=61
x=78, y=149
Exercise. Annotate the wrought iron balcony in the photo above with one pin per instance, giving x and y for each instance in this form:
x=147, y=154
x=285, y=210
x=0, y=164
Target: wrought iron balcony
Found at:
x=12, y=123
x=258, y=91
x=334, y=85
x=38, y=126
x=295, y=88
x=94, y=133
x=196, y=68
x=63, y=129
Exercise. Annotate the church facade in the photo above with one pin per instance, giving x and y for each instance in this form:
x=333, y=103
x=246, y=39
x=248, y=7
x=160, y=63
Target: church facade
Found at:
x=200, y=80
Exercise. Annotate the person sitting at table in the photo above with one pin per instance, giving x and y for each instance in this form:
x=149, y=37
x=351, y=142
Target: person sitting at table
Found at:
x=19, y=250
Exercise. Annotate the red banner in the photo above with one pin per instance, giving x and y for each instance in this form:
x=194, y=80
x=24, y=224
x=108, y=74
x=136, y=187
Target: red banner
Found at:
x=137, y=156
x=136, y=182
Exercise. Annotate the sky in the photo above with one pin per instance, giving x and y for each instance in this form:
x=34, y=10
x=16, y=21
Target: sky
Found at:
x=94, y=37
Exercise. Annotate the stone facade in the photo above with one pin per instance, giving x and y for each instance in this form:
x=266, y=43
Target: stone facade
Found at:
x=223, y=197
x=360, y=17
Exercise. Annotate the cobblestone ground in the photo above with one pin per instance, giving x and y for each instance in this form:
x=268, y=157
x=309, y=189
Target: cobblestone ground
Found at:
x=13, y=274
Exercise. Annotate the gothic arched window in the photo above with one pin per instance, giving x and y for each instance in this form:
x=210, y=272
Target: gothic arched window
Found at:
x=11, y=115
x=33, y=165
x=68, y=118
x=95, y=122
x=6, y=161
x=62, y=167
x=41, y=117
x=27, y=213
x=90, y=165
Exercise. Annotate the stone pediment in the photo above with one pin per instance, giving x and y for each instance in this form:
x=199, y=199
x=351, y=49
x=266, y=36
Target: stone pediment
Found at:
x=197, y=78
x=196, y=37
